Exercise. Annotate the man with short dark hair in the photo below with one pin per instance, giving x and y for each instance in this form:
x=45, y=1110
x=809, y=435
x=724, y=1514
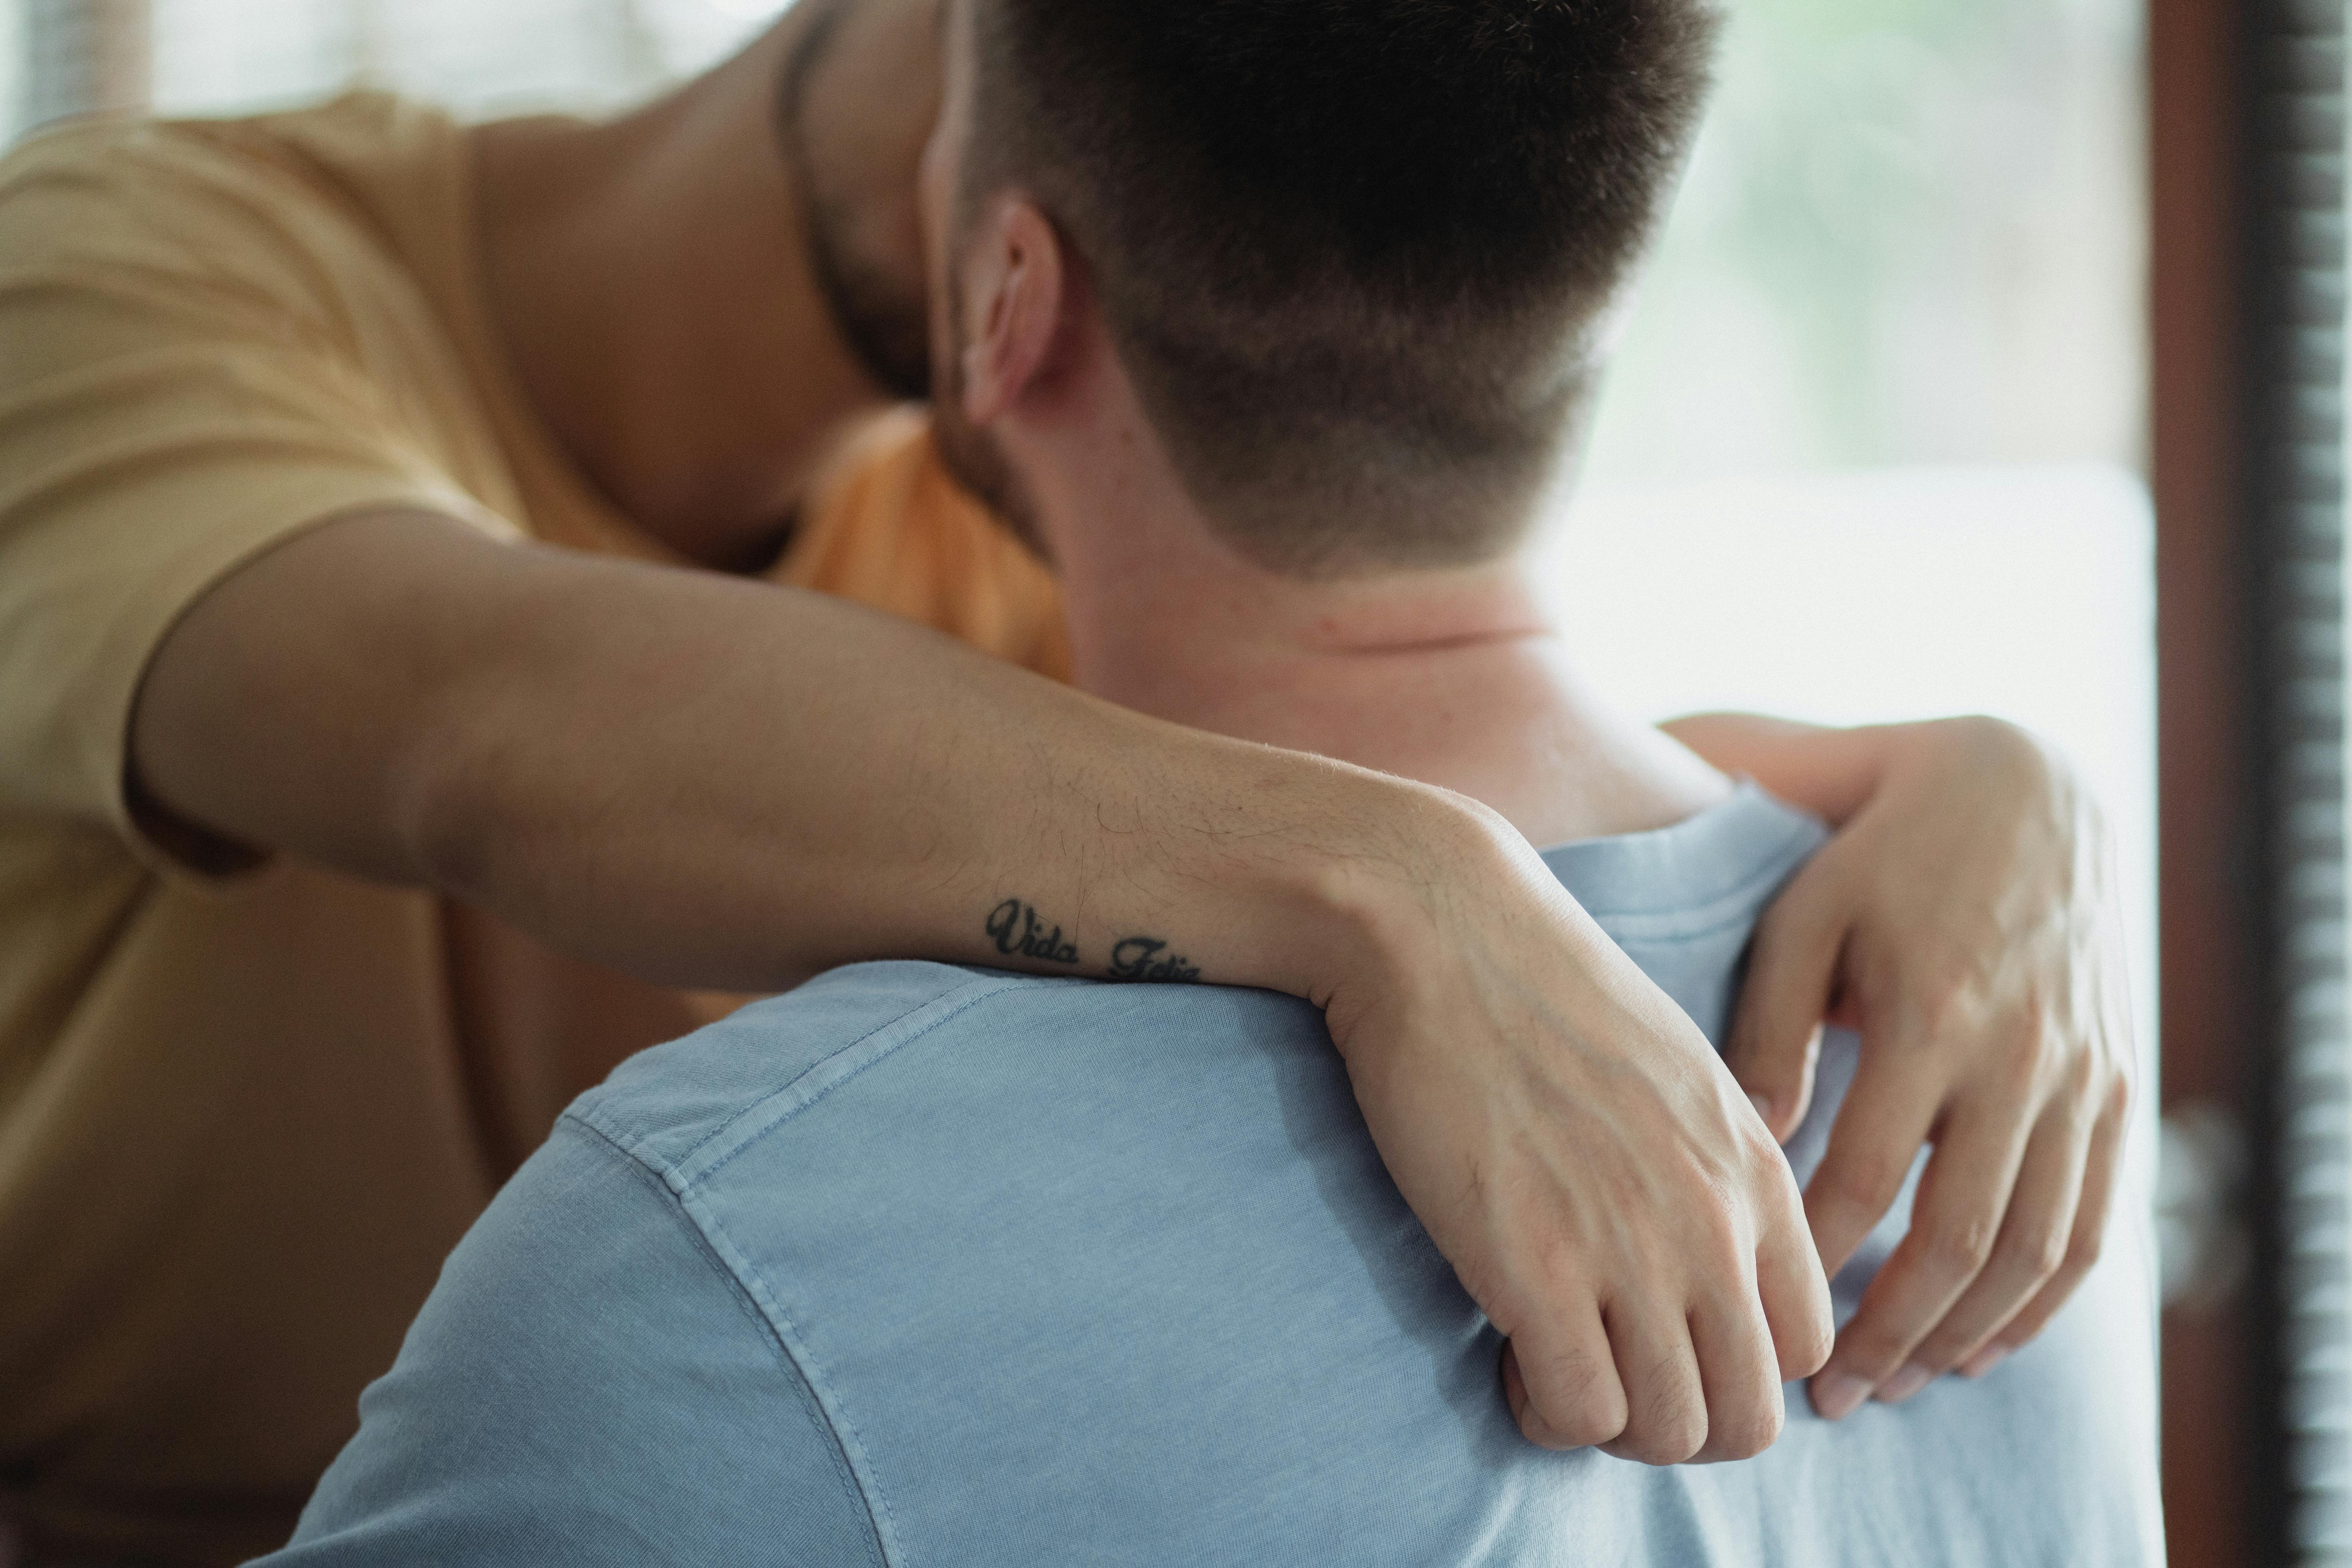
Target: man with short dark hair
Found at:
x=1361, y=282
x=929, y=1264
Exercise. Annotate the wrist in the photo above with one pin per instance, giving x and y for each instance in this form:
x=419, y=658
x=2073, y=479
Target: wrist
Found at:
x=1379, y=896
x=1337, y=885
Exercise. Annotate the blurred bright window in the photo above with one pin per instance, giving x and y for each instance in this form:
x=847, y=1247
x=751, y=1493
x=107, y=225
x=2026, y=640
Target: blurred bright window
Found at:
x=1912, y=234
x=1872, y=447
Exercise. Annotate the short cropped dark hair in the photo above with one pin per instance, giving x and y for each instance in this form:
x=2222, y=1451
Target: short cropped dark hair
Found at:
x=1352, y=250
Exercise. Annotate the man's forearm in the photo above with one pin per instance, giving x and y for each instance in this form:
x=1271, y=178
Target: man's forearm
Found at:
x=783, y=787
x=722, y=783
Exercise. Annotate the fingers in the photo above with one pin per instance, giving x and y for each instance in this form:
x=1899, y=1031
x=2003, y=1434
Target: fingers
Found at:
x=1562, y=1383
x=1776, y=1037
x=1738, y=1379
x=1634, y=1390
x=1657, y=1386
x=2108, y=1137
x=1878, y=1132
x=1666, y=1400
x=2032, y=1247
x=1794, y=1296
x=1954, y=1224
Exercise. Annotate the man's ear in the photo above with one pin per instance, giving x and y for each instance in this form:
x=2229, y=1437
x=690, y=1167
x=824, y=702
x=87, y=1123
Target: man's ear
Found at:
x=1012, y=301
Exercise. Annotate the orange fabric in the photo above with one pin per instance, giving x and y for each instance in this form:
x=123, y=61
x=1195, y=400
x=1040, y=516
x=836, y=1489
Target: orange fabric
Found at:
x=243, y=1119
x=889, y=528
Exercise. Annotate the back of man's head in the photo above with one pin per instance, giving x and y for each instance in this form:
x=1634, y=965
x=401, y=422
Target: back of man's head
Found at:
x=1355, y=254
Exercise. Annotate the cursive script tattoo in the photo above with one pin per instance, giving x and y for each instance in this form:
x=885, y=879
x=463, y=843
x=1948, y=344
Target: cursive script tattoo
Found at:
x=1138, y=958
x=1013, y=926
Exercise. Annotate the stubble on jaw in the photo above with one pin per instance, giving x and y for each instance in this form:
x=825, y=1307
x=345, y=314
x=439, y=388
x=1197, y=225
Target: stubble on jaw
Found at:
x=881, y=316
x=877, y=313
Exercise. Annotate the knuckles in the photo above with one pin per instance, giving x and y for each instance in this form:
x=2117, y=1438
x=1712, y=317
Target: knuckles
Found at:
x=2033, y=1049
x=1588, y=1427
x=1743, y=1437
x=1866, y=1182
x=1808, y=1350
x=2035, y=1255
x=1762, y=1165
x=1563, y=1398
x=1667, y=1437
x=1954, y=1009
x=1961, y=1248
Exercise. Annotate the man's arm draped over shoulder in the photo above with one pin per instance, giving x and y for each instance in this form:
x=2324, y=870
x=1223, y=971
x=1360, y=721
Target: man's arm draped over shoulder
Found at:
x=722, y=784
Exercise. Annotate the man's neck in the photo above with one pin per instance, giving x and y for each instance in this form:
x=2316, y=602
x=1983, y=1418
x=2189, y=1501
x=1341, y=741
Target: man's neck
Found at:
x=651, y=281
x=1452, y=677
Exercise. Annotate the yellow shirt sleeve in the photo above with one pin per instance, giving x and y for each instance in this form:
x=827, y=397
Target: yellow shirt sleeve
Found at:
x=199, y=357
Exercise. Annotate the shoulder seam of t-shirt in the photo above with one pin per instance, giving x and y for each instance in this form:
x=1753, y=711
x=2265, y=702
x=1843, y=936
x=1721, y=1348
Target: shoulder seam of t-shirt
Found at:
x=855, y=1454
x=646, y=1177
x=776, y=1106
x=684, y=1175
x=746, y=1295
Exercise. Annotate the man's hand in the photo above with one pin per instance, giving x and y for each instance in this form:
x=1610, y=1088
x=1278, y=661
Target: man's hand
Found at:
x=1964, y=920
x=1583, y=1158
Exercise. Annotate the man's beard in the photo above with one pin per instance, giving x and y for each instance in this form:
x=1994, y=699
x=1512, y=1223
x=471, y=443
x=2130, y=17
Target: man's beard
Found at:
x=879, y=317
x=883, y=321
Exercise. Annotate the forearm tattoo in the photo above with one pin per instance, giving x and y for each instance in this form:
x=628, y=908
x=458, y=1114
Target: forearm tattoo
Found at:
x=1147, y=958
x=1016, y=929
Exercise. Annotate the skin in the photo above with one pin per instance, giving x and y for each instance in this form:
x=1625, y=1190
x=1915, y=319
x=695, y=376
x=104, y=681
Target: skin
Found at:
x=689, y=776
x=653, y=277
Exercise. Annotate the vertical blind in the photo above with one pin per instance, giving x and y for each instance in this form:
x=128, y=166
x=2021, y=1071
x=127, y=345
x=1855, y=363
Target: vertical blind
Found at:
x=2293, y=141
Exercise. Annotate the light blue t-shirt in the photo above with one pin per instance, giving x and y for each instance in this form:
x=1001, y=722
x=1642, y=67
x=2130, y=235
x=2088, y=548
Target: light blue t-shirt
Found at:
x=921, y=1265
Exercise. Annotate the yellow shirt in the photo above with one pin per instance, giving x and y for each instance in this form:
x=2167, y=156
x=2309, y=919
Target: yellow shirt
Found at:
x=242, y=1117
